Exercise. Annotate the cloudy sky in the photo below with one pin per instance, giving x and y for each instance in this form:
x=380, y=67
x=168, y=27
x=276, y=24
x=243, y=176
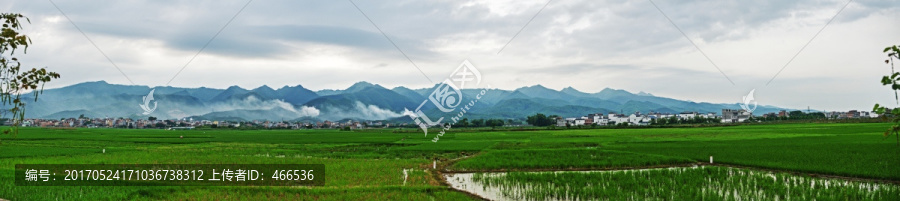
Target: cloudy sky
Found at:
x=589, y=45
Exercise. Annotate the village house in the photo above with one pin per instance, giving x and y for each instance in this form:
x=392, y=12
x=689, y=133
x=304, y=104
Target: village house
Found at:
x=734, y=116
x=687, y=115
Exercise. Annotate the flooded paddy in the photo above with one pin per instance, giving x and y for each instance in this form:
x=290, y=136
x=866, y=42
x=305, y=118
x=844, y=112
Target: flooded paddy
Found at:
x=676, y=183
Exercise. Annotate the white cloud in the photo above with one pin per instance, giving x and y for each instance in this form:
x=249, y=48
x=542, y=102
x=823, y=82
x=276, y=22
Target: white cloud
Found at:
x=254, y=103
x=360, y=110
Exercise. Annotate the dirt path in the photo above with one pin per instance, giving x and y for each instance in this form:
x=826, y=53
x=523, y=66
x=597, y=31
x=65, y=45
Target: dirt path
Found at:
x=438, y=175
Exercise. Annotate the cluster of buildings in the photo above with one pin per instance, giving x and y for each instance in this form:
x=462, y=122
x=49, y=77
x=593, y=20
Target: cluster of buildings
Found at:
x=727, y=116
x=851, y=114
x=637, y=118
x=633, y=119
x=190, y=123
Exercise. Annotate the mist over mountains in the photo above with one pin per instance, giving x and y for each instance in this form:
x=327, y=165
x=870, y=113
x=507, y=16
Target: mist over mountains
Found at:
x=361, y=101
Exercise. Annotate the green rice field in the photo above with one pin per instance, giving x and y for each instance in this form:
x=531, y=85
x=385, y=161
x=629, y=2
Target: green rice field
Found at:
x=676, y=183
x=370, y=164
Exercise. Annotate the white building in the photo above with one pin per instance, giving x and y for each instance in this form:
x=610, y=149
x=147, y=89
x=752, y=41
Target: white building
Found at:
x=732, y=116
x=616, y=118
x=579, y=121
x=687, y=115
x=638, y=119
x=601, y=120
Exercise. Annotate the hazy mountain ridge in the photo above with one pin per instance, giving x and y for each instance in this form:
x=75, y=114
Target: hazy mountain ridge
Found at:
x=361, y=101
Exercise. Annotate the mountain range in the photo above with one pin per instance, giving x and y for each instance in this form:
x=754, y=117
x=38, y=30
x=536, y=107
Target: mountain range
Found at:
x=361, y=101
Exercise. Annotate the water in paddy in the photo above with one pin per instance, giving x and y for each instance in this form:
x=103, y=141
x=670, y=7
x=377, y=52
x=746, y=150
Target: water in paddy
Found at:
x=677, y=183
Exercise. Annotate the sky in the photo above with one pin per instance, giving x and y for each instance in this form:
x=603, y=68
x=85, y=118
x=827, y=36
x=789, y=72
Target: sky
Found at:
x=586, y=44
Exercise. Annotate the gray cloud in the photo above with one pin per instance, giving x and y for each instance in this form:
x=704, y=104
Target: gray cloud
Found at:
x=329, y=44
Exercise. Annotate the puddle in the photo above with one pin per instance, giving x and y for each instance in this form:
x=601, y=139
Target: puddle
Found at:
x=675, y=183
x=465, y=182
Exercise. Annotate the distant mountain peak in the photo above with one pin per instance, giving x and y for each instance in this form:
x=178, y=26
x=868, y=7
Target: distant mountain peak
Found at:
x=228, y=93
x=234, y=87
x=289, y=87
x=535, y=89
x=537, y=86
x=264, y=88
x=400, y=88
x=362, y=84
x=359, y=86
x=570, y=89
x=296, y=94
x=408, y=93
x=608, y=93
x=94, y=83
x=539, y=91
x=118, y=100
x=265, y=92
x=611, y=90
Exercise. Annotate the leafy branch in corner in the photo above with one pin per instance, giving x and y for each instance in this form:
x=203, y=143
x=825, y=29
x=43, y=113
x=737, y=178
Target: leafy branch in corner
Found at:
x=14, y=81
x=893, y=52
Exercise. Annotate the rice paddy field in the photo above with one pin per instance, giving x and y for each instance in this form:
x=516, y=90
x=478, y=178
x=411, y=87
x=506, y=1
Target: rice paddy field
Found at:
x=752, y=162
x=675, y=183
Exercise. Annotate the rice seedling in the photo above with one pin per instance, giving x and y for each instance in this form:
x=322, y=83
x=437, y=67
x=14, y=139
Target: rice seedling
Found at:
x=677, y=183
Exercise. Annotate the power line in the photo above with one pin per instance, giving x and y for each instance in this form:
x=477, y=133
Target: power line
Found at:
x=392, y=41
x=692, y=42
x=92, y=42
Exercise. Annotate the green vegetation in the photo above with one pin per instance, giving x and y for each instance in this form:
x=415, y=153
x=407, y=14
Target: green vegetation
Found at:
x=693, y=120
x=369, y=164
x=696, y=183
x=561, y=159
x=14, y=80
x=797, y=115
x=856, y=150
x=362, y=165
x=541, y=120
x=893, y=53
x=493, y=123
